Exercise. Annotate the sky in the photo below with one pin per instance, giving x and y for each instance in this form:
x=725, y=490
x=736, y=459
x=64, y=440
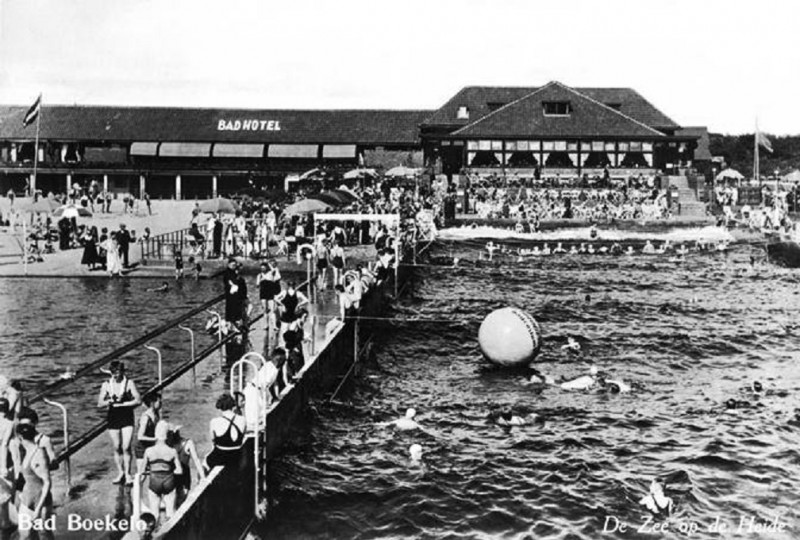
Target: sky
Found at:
x=721, y=64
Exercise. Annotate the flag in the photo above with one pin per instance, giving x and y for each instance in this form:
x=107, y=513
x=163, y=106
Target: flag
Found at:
x=762, y=140
x=33, y=112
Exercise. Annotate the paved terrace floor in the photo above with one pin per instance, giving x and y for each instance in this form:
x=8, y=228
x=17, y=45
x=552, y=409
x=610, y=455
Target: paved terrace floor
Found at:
x=190, y=402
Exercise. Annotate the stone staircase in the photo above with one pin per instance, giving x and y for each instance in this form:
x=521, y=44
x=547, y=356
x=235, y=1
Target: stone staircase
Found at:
x=689, y=205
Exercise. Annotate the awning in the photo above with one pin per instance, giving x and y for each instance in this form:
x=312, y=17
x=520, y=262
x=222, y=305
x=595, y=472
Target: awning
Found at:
x=292, y=151
x=238, y=150
x=346, y=151
x=144, y=148
x=178, y=149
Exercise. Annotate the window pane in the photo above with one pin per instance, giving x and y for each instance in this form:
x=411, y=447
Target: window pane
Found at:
x=472, y=145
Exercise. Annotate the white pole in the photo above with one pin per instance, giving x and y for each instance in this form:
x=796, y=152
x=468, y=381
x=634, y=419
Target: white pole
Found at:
x=25, y=246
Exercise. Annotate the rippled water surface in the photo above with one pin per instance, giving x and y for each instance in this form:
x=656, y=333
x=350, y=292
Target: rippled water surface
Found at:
x=688, y=336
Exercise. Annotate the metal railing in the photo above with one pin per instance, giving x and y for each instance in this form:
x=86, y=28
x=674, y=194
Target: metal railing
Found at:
x=162, y=246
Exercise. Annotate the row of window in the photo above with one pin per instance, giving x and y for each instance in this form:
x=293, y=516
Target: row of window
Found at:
x=559, y=159
x=559, y=146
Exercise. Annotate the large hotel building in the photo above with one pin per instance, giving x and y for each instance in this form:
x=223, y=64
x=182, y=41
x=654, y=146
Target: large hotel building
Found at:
x=189, y=152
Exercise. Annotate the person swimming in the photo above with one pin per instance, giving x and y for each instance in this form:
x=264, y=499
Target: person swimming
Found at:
x=163, y=288
x=415, y=454
x=656, y=501
x=507, y=418
x=559, y=249
x=648, y=248
x=582, y=382
x=405, y=423
x=572, y=345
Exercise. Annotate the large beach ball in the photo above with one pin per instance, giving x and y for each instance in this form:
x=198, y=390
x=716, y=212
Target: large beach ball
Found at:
x=509, y=337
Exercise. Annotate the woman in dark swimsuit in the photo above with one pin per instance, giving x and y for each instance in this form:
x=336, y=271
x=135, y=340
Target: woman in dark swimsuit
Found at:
x=227, y=433
x=120, y=396
x=146, y=436
x=269, y=286
x=162, y=463
x=187, y=453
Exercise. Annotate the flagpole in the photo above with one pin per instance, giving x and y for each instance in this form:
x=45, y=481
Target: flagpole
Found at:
x=36, y=149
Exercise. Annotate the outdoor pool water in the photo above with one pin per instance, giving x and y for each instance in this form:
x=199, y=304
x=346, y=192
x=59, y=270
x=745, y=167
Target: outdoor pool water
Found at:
x=688, y=337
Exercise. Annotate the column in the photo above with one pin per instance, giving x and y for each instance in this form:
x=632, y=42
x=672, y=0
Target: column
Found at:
x=69, y=183
x=142, y=186
x=214, y=187
x=32, y=183
x=105, y=182
x=177, y=187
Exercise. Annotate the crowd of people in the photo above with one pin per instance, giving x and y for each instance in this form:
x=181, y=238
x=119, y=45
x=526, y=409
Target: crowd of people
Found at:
x=498, y=198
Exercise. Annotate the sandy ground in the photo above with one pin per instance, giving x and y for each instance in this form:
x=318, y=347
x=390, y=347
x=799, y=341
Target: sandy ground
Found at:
x=167, y=216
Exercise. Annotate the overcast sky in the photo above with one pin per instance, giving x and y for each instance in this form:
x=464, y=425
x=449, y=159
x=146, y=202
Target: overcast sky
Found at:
x=714, y=63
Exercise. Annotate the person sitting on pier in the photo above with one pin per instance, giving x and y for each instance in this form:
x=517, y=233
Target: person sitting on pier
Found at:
x=187, y=454
x=120, y=396
x=163, y=465
x=227, y=433
x=146, y=436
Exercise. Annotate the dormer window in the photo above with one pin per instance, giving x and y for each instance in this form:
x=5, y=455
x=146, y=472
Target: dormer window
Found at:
x=462, y=113
x=556, y=108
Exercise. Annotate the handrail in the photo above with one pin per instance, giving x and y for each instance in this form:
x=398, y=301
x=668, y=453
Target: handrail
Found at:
x=66, y=436
x=191, y=338
x=105, y=359
x=158, y=353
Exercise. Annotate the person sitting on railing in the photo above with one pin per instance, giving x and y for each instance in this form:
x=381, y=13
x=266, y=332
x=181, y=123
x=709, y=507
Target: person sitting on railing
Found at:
x=163, y=465
x=227, y=434
x=187, y=454
x=120, y=396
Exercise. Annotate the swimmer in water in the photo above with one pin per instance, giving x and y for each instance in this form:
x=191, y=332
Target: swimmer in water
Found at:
x=629, y=251
x=656, y=501
x=572, y=345
x=590, y=249
x=559, y=249
x=546, y=249
x=415, y=454
x=573, y=250
x=163, y=288
x=648, y=248
x=405, y=423
x=583, y=382
x=491, y=248
x=507, y=418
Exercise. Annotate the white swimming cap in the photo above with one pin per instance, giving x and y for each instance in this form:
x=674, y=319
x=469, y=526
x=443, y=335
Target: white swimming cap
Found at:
x=415, y=451
x=411, y=413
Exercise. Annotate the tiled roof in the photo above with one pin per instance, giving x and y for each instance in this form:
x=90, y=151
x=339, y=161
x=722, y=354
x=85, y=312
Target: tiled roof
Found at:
x=75, y=123
x=526, y=117
x=703, y=150
x=478, y=98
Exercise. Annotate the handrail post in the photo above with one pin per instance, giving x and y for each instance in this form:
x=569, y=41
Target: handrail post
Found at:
x=158, y=353
x=256, y=462
x=191, y=337
x=66, y=437
x=219, y=335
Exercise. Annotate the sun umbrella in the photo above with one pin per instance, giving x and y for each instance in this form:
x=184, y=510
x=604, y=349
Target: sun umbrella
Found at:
x=359, y=173
x=220, y=204
x=347, y=196
x=729, y=173
x=306, y=206
x=313, y=173
x=41, y=206
x=401, y=171
x=71, y=211
x=793, y=176
x=327, y=198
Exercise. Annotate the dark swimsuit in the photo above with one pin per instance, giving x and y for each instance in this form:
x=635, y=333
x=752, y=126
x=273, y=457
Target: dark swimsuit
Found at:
x=162, y=476
x=226, y=447
x=149, y=431
x=120, y=417
x=267, y=288
x=290, y=302
x=183, y=480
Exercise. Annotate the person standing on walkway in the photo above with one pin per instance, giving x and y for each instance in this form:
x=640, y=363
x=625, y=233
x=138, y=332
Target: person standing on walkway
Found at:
x=235, y=292
x=124, y=241
x=35, y=499
x=217, y=236
x=120, y=396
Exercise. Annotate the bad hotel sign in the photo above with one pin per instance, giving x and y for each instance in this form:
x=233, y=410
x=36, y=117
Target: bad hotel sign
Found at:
x=248, y=125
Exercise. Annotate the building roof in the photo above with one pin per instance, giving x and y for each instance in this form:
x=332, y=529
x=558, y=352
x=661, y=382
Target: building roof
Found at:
x=479, y=98
x=161, y=124
x=703, y=150
x=526, y=117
